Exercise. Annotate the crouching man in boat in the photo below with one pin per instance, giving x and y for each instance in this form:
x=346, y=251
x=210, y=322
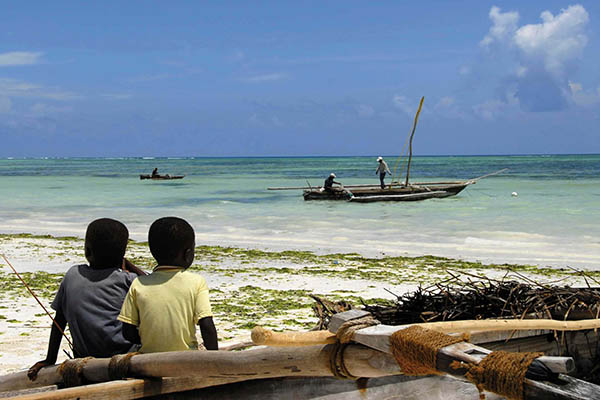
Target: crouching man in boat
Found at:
x=382, y=168
x=328, y=184
x=154, y=172
x=90, y=296
x=163, y=308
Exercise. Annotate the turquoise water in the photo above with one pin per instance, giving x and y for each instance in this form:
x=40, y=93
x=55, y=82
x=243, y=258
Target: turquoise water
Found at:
x=554, y=220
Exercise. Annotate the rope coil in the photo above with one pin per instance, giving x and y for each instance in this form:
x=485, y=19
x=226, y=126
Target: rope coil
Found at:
x=415, y=349
x=118, y=366
x=346, y=330
x=336, y=362
x=71, y=371
x=500, y=372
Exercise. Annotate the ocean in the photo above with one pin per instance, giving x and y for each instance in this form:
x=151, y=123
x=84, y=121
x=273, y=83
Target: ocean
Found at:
x=554, y=220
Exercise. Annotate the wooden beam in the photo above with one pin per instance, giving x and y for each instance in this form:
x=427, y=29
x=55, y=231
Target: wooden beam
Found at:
x=251, y=364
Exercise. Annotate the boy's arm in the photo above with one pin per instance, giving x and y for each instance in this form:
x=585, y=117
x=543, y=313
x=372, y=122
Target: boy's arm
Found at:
x=130, y=333
x=209, y=333
x=53, y=346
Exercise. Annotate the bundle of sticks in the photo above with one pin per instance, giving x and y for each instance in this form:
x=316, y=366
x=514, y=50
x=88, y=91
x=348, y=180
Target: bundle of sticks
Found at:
x=470, y=297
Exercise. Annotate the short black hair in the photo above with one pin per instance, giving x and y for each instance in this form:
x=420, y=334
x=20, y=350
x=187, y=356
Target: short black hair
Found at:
x=107, y=239
x=168, y=237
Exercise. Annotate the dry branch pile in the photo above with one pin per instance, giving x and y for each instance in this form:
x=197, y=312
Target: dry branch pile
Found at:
x=460, y=299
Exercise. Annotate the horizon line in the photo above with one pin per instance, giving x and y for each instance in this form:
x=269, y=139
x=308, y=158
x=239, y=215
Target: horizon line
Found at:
x=149, y=157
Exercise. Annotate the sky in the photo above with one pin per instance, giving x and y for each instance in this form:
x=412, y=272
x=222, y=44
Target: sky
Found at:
x=311, y=78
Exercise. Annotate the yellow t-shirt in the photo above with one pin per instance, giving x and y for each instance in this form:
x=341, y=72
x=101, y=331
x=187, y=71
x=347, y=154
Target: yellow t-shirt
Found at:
x=166, y=306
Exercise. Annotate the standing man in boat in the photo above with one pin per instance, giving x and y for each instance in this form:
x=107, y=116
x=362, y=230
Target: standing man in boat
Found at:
x=328, y=185
x=382, y=168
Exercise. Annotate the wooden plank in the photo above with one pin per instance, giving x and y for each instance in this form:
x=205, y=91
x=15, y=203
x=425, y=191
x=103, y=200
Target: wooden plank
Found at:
x=23, y=392
x=128, y=389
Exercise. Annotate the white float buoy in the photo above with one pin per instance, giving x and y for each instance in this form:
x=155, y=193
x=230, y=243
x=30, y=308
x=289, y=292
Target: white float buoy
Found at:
x=514, y=194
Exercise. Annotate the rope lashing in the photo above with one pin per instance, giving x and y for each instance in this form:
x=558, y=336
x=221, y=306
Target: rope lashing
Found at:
x=344, y=337
x=118, y=366
x=415, y=349
x=346, y=330
x=71, y=371
x=336, y=362
x=500, y=372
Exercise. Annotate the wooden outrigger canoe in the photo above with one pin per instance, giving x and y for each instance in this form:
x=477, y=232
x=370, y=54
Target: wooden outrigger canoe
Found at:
x=161, y=177
x=396, y=191
x=368, y=194
x=304, y=370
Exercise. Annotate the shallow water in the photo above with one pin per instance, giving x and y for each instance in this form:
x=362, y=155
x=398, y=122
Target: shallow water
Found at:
x=554, y=220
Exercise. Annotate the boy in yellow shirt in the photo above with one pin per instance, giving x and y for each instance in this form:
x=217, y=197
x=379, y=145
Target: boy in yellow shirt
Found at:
x=166, y=305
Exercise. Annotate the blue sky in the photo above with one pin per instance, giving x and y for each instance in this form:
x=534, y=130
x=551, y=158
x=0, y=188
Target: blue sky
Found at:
x=238, y=78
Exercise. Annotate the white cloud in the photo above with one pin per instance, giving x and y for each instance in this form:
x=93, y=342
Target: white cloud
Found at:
x=117, y=96
x=403, y=104
x=583, y=97
x=503, y=26
x=5, y=105
x=16, y=88
x=464, y=70
x=490, y=109
x=538, y=58
x=557, y=41
x=276, y=121
x=237, y=56
x=43, y=110
x=446, y=102
x=265, y=78
x=19, y=58
x=150, y=78
x=365, y=110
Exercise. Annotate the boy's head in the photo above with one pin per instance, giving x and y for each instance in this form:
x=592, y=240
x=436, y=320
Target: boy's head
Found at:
x=172, y=241
x=105, y=243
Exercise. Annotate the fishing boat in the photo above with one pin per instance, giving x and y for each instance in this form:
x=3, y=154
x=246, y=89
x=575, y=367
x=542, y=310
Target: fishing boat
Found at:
x=395, y=191
x=161, y=177
x=322, y=365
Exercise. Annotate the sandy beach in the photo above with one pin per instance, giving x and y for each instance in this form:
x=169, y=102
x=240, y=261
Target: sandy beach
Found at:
x=248, y=287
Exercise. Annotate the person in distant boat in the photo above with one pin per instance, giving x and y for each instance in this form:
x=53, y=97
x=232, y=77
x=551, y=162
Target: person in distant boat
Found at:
x=382, y=168
x=328, y=185
x=90, y=297
x=162, y=309
x=155, y=172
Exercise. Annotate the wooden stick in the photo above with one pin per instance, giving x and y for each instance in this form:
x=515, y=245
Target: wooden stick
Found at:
x=270, y=338
x=411, y=139
x=369, y=185
x=262, y=336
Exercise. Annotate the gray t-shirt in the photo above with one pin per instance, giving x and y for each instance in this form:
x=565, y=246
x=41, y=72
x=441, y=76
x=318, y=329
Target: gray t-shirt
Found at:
x=91, y=300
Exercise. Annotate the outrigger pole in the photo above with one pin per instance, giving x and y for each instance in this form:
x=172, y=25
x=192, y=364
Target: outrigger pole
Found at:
x=411, y=139
x=39, y=302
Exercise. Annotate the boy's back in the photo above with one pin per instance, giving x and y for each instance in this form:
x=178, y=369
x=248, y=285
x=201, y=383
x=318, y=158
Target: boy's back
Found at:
x=91, y=300
x=166, y=306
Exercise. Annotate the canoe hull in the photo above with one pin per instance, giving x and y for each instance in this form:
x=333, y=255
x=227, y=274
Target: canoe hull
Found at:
x=394, y=193
x=161, y=177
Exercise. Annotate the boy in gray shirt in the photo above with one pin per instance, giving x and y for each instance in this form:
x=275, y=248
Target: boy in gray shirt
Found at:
x=90, y=297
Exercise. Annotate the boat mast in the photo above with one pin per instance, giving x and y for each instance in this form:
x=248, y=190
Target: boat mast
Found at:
x=411, y=139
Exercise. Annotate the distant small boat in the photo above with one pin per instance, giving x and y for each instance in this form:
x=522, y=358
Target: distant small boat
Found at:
x=161, y=177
